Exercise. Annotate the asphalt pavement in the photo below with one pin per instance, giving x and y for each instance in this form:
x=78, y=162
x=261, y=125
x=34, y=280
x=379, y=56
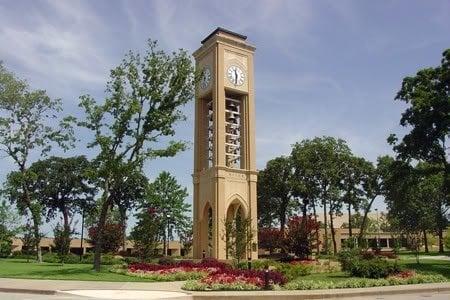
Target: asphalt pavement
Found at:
x=419, y=296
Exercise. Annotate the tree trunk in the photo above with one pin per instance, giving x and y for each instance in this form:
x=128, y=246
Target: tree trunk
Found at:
x=441, y=241
x=37, y=238
x=65, y=218
x=318, y=230
x=123, y=220
x=36, y=219
x=362, y=230
x=100, y=226
x=282, y=222
x=425, y=241
x=164, y=243
x=325, y=226
x=350, y=220
x=333, y=233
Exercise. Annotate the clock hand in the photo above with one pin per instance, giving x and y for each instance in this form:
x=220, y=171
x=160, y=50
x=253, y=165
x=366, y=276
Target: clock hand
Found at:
x=235, y=76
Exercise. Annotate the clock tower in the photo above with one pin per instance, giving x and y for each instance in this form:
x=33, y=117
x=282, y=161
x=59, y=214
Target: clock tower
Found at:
x=224, y=152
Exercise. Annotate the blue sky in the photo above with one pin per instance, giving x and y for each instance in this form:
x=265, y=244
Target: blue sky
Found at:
x=322, y=67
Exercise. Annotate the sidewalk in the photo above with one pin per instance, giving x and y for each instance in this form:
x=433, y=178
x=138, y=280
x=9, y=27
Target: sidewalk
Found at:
x=49, y=287
x=60, y=286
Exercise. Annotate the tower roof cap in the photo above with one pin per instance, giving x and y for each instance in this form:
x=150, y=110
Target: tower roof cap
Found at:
x=226, y=31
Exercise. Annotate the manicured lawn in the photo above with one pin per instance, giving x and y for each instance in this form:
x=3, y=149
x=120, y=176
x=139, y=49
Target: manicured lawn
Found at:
x=428, y=266
x=435, y=266
x=19, y=268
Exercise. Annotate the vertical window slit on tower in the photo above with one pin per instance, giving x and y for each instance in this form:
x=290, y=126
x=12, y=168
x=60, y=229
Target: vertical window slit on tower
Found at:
x=233, y=132
x=210, y=133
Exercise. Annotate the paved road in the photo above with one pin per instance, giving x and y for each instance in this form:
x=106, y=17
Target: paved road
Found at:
x=420, y=296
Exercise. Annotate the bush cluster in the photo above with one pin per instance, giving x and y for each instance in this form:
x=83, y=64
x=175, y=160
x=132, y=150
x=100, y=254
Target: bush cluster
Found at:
x=363, y=282
x=373, y=268
x=366, y=264
x=289, y=270
x=88, y=258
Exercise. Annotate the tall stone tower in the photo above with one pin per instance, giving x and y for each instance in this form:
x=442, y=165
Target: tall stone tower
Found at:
x=224, y=164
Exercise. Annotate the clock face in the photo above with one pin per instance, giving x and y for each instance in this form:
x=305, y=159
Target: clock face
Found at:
x=206, y=77
x=235, y=75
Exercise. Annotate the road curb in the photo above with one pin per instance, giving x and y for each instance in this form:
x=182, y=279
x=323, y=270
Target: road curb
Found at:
x=284, y=294
x=28, y=291
x=326, y=294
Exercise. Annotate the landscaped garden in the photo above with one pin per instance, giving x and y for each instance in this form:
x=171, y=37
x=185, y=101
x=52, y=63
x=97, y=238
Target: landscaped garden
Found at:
x=352, y=269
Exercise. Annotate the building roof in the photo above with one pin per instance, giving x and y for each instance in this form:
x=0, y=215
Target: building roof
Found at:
x=226, y=31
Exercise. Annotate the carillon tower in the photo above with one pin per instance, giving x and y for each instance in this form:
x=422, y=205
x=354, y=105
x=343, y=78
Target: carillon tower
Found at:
x=224, y=153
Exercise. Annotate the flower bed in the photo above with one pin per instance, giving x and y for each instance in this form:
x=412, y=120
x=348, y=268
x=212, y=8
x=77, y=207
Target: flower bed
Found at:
x=399, y=279
x=229, y=279
x=177, y=271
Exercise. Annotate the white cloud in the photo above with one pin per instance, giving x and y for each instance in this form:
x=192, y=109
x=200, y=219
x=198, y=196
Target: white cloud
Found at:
x=60, y=48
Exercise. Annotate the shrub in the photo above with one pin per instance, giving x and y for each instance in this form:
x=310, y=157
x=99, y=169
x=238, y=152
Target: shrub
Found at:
x=166, y=260
x=363, y=282
x=62, y=242
x=366, y=264
x=301, y=237
x=372, y=268
x=232, y=279
x=270, y=238
x=346, y=257
x=55, y=258
x=195, y=285
x=109, y=259
x=5, y=247
x=112, y=237
x=292, y=271
x=130, y=260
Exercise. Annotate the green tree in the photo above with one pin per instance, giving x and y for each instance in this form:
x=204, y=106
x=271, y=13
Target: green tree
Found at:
x=112, y=237
x=353, y=175
x=372, y=188
x=28, y=240
x=408, y=196
x=428, y=118
x=62, y=241
x=275, y=202
x=25, y=116
x=323, y=157
x=186, y=235
x=62, y=186
x=168, y=197
x=143, y=101
x=146, y=235
x=9, y=228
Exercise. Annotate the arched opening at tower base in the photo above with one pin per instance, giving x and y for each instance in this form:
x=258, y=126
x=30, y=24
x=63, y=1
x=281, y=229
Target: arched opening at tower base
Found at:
x=205, y=225
x=237, y=235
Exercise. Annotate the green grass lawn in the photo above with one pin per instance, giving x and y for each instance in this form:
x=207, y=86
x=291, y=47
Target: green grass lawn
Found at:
x=435, y=266
x=19, y=268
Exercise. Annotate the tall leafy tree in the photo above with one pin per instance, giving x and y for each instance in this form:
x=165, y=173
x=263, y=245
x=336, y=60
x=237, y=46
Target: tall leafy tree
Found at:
x=324, y=156
x=9, y=227
x=275, y=201
x=146, y=235
x=372, y=188
x=427, y=95
x=26, y=116
x=143, y=101
x=168, y=198
x=351, y=184
x=62, y=185
x=406, y=196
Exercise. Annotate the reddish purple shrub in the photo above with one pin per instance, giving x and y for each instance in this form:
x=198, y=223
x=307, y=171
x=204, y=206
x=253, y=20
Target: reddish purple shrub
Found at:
x=274, y=277
x=188, y=264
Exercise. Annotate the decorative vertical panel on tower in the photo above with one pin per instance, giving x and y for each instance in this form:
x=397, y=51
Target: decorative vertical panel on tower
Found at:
x=224, y=151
